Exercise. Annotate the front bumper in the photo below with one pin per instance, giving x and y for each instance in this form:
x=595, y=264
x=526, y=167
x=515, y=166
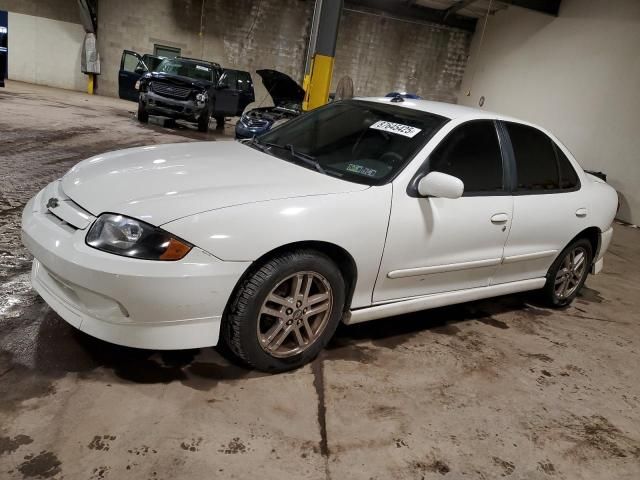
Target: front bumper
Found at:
x=173, y=108
x=131, y=302
x=244, y=131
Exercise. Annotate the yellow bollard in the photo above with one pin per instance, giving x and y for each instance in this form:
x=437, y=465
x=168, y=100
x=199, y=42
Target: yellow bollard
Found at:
x=90, y=83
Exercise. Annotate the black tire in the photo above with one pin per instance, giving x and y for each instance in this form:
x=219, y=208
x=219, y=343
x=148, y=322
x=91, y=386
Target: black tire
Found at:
x=240, y=326
x=220, y=123
x=143, y=115
x=203, y=122
x=550, y=294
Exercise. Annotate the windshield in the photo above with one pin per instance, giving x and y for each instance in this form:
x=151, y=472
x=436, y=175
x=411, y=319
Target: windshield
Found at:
x=194, y=70
x=359, y=141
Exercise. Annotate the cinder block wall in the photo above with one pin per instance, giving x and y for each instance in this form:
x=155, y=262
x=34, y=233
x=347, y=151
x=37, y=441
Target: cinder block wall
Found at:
x=383, y=54
x=243, y=34
x=379, y=54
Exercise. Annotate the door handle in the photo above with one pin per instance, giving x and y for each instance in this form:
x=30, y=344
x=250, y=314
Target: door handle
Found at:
x=581, y=212
x=500, y=218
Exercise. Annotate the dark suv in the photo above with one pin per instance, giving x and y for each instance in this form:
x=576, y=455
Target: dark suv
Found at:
x=185, y=88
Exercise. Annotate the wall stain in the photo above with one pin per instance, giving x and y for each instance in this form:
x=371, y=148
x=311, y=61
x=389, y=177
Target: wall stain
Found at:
x=43, y=465
x=10, y=445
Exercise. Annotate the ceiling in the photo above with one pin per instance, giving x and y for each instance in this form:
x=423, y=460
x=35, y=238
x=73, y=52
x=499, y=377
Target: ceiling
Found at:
x=455, y=13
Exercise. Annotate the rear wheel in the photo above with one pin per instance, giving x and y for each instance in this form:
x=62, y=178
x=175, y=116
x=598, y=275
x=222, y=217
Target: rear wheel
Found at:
x=568, y=273
x=220, y=122
x=143, y=115
x=286, y=311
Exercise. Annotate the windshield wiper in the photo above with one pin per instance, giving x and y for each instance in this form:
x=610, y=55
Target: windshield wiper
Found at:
x=308, y=159
x=254, y=142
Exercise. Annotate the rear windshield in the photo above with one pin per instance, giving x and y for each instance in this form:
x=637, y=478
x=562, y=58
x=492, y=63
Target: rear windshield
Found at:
x=184, y=68
x=359, y=141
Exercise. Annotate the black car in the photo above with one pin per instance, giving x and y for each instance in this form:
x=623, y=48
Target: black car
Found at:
x=287, y=97
x=185, y=88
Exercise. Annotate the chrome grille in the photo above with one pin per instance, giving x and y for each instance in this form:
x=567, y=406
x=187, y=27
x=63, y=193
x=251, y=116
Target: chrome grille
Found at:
x=169, y=90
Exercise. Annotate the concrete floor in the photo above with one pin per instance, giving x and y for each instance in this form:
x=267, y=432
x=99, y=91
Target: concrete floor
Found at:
x=498, y=388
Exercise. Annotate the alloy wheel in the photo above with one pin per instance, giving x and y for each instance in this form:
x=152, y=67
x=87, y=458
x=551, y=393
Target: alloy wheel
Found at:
x=294, y=314
x=570, y=273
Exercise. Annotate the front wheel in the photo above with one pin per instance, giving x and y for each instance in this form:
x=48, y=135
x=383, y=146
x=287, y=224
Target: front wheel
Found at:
x=286, y=311
x=568, y=273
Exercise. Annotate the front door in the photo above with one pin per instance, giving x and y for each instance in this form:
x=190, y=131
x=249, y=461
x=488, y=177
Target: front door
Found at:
x=437, y=245
x=227, y=94
x=131, y=69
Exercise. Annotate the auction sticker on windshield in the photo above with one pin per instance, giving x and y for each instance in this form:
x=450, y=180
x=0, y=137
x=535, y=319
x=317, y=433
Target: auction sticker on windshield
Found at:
x=398, y=128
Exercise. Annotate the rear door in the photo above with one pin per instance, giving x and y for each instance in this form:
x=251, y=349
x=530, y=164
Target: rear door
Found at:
x=131, y=69
x=227, y=94
x=548, y=207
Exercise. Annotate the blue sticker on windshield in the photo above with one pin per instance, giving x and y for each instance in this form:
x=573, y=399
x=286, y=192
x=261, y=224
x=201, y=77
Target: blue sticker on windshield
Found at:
x=369, y=172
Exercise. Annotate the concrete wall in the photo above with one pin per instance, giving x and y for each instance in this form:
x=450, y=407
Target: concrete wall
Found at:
x=576, y=75
x=382, y=54
x=45, y=42
x=243, y=34
x=64, y=10
x=45, y=51
x=379, y=54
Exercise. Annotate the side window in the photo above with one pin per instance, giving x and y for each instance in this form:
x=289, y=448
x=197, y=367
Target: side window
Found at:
x=244, y=81
x=536, y=162
x=130, y=62
x=472, y=153
x=229, y=79
x=568, y=176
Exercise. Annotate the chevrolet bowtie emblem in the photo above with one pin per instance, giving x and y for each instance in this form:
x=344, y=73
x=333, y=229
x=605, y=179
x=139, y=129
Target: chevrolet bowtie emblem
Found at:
x=52, y=203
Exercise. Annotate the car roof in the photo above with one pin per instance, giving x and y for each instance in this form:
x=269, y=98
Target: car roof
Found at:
x=196, y=60
x=448, y=110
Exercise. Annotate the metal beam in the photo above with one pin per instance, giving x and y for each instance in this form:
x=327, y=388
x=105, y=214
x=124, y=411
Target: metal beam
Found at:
x=459, y=5
x=549, y=7
x=322, y=47
x=402, y=10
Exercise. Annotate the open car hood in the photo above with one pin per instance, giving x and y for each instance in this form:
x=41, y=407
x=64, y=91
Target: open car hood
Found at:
x=282, y=88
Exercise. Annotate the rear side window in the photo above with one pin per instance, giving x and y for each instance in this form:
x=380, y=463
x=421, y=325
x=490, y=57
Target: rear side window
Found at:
x=536, y=163
x=471, y=152
x=568, y=176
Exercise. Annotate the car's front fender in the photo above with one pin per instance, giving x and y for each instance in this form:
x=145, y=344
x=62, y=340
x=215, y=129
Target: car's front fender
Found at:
x=355, y=221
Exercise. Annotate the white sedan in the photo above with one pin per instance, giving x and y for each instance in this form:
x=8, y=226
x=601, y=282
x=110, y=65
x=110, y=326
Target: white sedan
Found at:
x=358, y=210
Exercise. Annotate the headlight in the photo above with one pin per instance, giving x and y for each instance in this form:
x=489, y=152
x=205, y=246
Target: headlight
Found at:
x=132, y=238
x=202, y=97
x=137, y=85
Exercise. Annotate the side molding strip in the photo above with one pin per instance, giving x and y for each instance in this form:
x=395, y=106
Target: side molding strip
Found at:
x=530, y=256
x=425, y=302
x=452, y=267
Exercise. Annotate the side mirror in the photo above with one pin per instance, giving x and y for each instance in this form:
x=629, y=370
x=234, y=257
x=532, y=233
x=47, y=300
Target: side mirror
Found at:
x=438, y=184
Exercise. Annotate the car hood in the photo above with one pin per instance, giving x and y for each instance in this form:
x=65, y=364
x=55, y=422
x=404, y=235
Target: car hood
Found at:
x=282, y=88
x=178, y=80
x=161, y=183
